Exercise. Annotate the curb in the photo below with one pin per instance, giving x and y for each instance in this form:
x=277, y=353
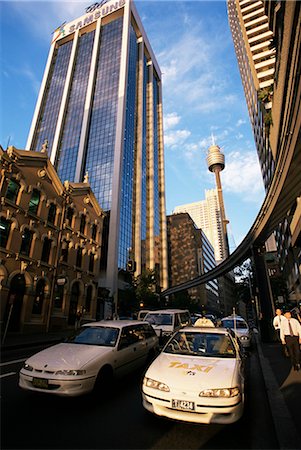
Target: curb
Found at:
x=285, y=429
x=9, y=347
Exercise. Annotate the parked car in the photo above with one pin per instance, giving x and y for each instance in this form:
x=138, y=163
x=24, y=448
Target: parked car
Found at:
x=240, y=327
x=95, y=355
x=142, y=313
x=166, y=321
x=198, y=377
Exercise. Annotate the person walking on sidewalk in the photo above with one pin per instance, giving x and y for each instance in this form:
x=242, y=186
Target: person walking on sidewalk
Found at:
x=290, y=334
x=277, y=322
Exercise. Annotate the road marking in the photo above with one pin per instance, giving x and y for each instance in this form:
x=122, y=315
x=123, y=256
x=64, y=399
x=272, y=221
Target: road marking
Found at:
x=12, y=362
x=8, y=374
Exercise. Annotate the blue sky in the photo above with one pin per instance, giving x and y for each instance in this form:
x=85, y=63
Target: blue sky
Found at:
x=202, y=94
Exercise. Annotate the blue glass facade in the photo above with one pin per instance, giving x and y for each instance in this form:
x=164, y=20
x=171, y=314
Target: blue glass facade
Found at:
x=156, y=161
x=52, y=98
x=67, y=153
x=127, y=179
x=144, y=167
x=101, y=138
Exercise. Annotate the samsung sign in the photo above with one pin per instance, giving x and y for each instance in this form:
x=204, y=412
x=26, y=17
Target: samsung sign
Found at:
x=94, y=12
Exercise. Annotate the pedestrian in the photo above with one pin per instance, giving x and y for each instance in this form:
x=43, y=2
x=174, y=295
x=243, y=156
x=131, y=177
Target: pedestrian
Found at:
x=290, y=334
x=277, y=322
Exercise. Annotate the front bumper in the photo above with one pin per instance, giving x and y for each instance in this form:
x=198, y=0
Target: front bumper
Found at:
x=222, y=413
x=57, y=386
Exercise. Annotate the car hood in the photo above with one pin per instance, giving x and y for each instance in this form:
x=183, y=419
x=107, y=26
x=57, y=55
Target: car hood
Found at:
x=206, y=372
x=67, y=356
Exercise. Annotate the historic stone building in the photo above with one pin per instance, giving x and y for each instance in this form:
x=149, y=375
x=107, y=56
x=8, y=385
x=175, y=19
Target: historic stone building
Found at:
x=50, y=245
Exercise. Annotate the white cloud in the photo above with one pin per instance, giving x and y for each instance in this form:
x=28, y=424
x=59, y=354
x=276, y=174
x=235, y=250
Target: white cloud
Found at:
x=240, y=122
x=242, y=176
x=170, y=120
x=176, y=138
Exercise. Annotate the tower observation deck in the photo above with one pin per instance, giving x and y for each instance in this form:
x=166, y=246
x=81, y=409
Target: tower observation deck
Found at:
x=216, y=163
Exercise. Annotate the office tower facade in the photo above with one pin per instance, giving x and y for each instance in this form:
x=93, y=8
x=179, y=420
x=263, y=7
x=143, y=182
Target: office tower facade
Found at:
x=206, y=214
x=100, y=110
x=256, y=55
x=190, y=255
x=266, y=36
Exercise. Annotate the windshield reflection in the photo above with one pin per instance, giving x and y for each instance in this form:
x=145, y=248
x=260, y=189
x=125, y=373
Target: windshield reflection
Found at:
x=101, y=336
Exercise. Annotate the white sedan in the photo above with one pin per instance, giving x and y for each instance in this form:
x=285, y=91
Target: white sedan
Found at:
x=198, y=377
x=97, y=353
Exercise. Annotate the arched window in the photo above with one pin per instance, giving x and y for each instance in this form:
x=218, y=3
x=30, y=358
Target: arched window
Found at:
x=46, y=250
x=39, y=297
x=34, y=201
x=51, y=213
x=88, y=298
x=26, y=242
x=94, y=231
x=69, y=215
x=82, y=224
x=12, y=190
x=79, y=257
x=91, y=262
x=5, y=226
x=65, y=251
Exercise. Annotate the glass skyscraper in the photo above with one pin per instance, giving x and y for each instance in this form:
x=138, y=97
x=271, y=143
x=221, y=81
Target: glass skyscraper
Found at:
x=100, y=109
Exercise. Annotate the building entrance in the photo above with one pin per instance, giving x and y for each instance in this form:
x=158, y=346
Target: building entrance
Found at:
x=74, y=297
x=15, y=303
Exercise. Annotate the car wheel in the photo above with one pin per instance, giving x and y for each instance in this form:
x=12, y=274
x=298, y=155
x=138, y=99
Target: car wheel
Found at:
x=104, y=380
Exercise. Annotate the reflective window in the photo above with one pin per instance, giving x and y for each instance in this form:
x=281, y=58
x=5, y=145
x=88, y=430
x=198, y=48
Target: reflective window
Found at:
x=68, y=148
x=65, y=251
x=46, y=250
x=69, y=216
x=4, y=231
x=26, y=242
x=101, y=136
x=94, y=231
x=127, y=189
x=34, y=201
x=79, y=257
x=91, y=262
x=102, y=336
x=12, y=191
x=82, y=224
x=39, y=297
x=51, y=213
x=52, y=98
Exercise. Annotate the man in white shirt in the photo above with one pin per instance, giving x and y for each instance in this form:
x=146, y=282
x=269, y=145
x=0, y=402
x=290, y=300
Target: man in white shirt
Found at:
x=290, y=334
x=277, y=322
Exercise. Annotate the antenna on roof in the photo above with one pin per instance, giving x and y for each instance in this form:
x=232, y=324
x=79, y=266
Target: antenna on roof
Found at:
x=213, y=140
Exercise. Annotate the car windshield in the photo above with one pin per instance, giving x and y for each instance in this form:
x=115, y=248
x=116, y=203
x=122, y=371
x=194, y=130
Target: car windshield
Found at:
x=231, y=323
x=102, y=336
x=159, y=319
x=201, y=344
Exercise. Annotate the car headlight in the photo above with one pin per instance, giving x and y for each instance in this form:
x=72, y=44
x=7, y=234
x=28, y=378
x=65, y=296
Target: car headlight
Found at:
x=27, y=367
x=223, y=392
x=154, y=384
x=244, y=338
x=70, y=372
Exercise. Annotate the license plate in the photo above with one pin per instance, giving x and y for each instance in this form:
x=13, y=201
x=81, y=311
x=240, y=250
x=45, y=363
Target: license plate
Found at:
x=41, y=383
x=183, y=404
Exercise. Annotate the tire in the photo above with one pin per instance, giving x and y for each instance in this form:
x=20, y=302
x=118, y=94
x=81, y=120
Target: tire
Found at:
x=104, y=381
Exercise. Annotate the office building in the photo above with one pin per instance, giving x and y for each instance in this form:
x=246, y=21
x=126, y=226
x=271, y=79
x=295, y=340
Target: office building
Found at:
x=206, y=214
x=190, y=255
x=100, y=110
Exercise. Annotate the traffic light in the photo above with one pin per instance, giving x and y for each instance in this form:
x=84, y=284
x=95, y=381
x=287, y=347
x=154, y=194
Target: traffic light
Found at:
x=131, y=265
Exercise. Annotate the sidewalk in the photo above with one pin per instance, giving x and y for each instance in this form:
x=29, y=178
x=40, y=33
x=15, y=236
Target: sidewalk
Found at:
x=283, y=385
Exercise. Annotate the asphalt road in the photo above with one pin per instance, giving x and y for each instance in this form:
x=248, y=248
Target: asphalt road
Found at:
x=118, y=421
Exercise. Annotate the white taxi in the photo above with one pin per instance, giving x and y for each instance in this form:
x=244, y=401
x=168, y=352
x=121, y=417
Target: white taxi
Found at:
x=198, y=377
x=97, y=353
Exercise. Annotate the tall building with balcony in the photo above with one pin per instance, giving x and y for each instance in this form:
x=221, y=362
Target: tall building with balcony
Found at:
x=267, y=39
x=100, y=110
